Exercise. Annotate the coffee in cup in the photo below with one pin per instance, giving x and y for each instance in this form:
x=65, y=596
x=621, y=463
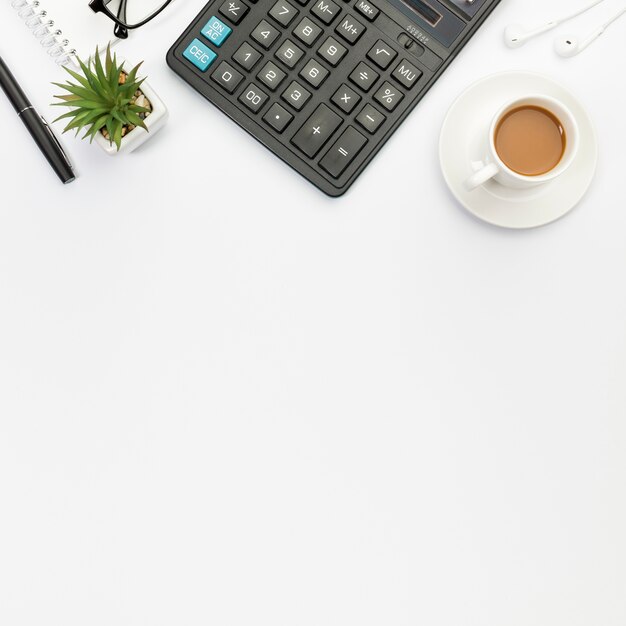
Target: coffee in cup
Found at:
x=532, y=140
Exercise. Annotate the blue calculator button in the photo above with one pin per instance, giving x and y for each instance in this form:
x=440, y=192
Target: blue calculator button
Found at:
x=216, y=31
x=200, y=55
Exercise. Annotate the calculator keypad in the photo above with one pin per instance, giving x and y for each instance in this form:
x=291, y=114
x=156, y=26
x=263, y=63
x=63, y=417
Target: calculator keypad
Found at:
x=284, y=54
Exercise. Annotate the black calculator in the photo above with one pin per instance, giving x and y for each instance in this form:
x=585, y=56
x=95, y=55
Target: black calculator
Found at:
x=323, y=83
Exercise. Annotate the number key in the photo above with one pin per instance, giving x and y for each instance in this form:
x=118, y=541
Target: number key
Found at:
x=283, y=12
x=289, y=53
x=246, y=56
x=253, y=98
x=271, y=75
x=227, y=77
x=314, y=73
x=332, y=51
x=265, y=34
x=296, y=95
x=307, y=32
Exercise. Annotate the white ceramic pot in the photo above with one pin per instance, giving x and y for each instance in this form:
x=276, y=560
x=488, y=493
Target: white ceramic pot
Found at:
x=136, y=137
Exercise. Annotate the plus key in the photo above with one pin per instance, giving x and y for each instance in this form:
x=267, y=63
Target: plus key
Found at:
x=316, y=131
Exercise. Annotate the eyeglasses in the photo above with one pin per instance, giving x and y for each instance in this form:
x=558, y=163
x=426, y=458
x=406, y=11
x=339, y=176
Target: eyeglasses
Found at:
x=128, y=14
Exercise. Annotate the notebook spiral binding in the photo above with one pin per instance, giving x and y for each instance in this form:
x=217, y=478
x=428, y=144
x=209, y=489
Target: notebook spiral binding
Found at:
x=43, y=29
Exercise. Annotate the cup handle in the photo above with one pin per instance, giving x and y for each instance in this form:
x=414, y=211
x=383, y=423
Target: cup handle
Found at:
x=481, y=176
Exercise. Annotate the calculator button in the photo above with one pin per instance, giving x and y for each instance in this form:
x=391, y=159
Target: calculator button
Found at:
x=296, y=95
x=370, y=118
x=277, y=117
x=314, y=73
x=367, y=9
x=303, y=2
x=350, y=29
x=283, y=12
x=317, y=130
x=343, y=151
x=246, y=56
x=406, y=74
x=200, y=55
x=364, y=76
x=307, y=31
x=265, y=34
x=332, y=51
x=216, y=31
x=326, y=10
x=227, y=77
x=234, y=10
x=271, y=75
x=289, y=53
x=345, y=98
x=388, y=96
x=382, y=54
x=253, y=98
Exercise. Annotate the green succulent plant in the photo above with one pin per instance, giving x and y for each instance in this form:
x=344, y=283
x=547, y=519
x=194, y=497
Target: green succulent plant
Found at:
x=103, y=97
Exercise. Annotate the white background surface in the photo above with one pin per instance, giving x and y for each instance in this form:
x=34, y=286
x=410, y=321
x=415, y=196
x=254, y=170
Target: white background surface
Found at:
x=226, y=399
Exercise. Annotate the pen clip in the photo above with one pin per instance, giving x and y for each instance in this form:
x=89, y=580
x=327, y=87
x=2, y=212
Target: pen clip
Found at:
x=56, y=141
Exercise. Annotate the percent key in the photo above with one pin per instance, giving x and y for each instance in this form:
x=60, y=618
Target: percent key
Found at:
x=388, y=96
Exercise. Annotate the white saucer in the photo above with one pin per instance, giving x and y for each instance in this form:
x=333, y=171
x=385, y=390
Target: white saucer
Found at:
x=464, y=140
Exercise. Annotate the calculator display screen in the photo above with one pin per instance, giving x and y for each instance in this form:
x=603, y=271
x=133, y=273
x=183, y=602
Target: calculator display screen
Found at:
x=430, y=18
x=424, y=10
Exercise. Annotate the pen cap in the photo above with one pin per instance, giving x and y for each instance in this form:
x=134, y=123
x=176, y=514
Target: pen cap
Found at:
x=12, y=89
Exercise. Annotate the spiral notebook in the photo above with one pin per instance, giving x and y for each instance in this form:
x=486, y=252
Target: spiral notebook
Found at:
x=65, y=28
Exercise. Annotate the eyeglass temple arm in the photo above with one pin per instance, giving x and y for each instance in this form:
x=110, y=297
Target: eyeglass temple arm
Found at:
x=121, y=32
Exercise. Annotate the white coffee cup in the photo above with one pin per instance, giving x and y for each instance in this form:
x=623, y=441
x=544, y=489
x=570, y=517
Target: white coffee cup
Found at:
x=494, y=168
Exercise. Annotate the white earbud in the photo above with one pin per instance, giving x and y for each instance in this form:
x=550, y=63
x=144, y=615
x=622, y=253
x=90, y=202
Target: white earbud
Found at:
x=516, y=35
x=568, y=47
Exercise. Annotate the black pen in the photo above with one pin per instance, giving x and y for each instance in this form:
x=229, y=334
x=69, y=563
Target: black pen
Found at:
x=37, y=126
